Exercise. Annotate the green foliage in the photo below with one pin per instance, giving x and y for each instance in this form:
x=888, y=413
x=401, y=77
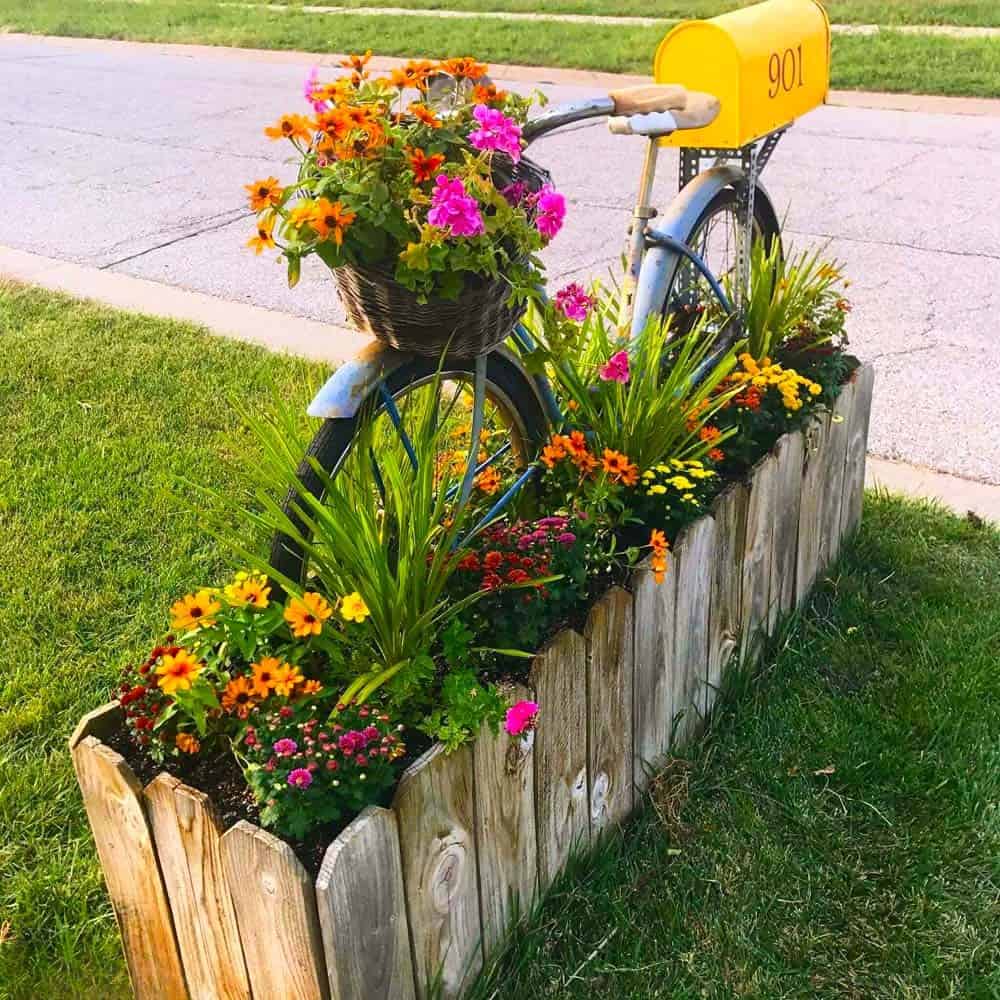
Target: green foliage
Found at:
x=791, y=299
x=656, y=413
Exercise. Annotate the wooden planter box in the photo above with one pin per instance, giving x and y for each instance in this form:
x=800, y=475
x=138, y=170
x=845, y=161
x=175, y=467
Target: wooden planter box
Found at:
x=426, y=890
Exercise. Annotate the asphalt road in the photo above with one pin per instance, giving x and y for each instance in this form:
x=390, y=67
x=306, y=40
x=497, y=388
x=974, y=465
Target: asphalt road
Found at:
x=132, y=159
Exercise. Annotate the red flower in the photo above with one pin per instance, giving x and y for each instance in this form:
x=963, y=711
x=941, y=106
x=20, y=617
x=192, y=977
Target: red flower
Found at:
x=517, y=576
x=469, y=562
x=491, y=582
x=493, y=560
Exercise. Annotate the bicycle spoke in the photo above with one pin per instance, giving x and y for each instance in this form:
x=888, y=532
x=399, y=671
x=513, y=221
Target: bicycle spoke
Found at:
x=478, y=409
x=393, y=411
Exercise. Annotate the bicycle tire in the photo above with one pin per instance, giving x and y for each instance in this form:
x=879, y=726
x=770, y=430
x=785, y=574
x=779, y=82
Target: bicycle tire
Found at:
x=765, y=223
x=506, y=382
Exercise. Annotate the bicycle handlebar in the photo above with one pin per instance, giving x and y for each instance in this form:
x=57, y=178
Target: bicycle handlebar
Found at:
x=567, y=114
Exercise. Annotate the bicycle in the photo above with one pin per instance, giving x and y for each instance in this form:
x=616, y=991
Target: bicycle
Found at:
x=673, y=263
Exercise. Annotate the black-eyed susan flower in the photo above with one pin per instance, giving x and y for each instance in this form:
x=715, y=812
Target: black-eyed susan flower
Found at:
x=248, y=590
x=264, y=193
x=305, y=615
x=264, y=671
x=289, y=127
x=237, y=697
x=178, y=671
x=194, y=611
x=330, y=219
x=286, y=678
x=264, y=237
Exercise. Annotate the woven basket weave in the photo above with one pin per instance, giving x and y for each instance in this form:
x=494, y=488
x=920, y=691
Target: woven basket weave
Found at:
x=473, y=324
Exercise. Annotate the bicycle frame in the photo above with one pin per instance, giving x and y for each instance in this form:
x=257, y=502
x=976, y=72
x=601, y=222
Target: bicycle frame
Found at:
x=654, y=252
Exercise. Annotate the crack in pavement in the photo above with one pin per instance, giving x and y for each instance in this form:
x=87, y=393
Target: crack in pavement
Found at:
x=239, y=214
x=892, y=243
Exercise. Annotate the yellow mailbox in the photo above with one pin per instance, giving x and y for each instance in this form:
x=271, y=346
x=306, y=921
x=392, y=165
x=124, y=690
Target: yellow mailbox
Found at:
x=768, y=64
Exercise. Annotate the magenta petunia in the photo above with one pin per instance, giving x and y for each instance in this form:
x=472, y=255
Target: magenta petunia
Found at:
x=454, y=210
x=496, y=132
x=520, y=717
x=573, y=302
x=616, y=369
x=550, y=211
x=300, y=778
x=285, y=748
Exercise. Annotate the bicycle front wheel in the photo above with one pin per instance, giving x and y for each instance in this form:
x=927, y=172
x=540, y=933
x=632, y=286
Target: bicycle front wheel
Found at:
x=714, y=237
x=513, y=422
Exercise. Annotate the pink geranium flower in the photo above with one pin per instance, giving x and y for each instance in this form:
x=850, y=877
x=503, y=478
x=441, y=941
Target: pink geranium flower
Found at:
x=454, y=210
x=550, y=211
x=300, y=778
x=520, y=717
x=573, y=302
x=496, y=131
x=309, y=88
x=616, y=369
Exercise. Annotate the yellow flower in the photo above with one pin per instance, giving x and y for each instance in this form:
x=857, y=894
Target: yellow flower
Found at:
x=178, y=671
x=658, y=489
x=353, y=608
x=306, y=615
x=194, y=611
x=248, y=591
x=815, y=389
x=681, y=483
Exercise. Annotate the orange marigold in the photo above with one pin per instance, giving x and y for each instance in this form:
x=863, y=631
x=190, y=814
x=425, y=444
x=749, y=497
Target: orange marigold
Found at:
x=187, y=743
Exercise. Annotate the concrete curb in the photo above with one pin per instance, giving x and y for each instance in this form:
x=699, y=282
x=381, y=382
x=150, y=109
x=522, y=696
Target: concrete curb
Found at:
x=281, y=332
x=277, y=331
x=928, y=104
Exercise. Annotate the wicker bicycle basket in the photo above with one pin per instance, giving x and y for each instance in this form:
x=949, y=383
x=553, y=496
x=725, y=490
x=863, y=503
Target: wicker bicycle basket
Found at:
x=472, y=324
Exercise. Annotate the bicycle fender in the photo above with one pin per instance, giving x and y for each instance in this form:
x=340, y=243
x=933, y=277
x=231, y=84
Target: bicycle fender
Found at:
x=347, y=388
x=350, y=385
x=660, y=262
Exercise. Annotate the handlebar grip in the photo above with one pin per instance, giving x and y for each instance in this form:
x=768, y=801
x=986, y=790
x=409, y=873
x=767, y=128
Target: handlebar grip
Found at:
x=650, y=98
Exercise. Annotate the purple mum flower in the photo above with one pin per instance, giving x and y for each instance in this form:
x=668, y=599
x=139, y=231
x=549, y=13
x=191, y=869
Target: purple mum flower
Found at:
x=300, y=778
x=285, y=748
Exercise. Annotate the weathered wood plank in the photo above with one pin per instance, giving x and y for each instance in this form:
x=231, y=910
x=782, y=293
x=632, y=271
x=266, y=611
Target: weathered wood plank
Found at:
x=835, y=457
x=187, y=837
x=695, y=566
x=810, y=507
x=757, y=556
x=789, y=457
x=362, y=912
x=609, y=637
x=435, y=809
x=562, y=809
x=275, y=906
x=101, y=722
x=112, y=796
x=653, y=654
x=506, y=844
x=726, y=615
x=857, y=447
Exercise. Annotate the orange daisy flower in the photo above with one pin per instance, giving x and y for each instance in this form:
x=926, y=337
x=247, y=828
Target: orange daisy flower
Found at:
x=357, y=64
x=264, y=239
x=658, y=562
x=464, y=68
x=311, y=687
x=194, y=611
x=306, y=615
x=424, y=114
x=187, y=743
x=301, y=213
x=716, y=454
x=424, y=166
x=330, y=219
x=286, y=677
x=618, y=468
x=554, y=451
x=487, y=93
x=263, y=675
x=413, y=74
x=237, y=697
x=334, y=124
x=488, y=481
x=289, y=127
x=178, y=671
x=709, y=433
x=264, y=194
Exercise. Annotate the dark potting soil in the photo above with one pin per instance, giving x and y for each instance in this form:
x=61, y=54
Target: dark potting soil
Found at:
x=221, y=779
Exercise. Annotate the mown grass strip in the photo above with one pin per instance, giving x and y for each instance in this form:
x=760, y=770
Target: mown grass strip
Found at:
x=837, y=834
x=103, y=414
x=889, y=61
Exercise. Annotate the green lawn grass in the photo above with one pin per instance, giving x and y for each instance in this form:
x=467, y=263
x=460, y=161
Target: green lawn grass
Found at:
x=879, y=879
x=102, y=413
x=888, y=12
x=891, y=61
x=837, y=835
